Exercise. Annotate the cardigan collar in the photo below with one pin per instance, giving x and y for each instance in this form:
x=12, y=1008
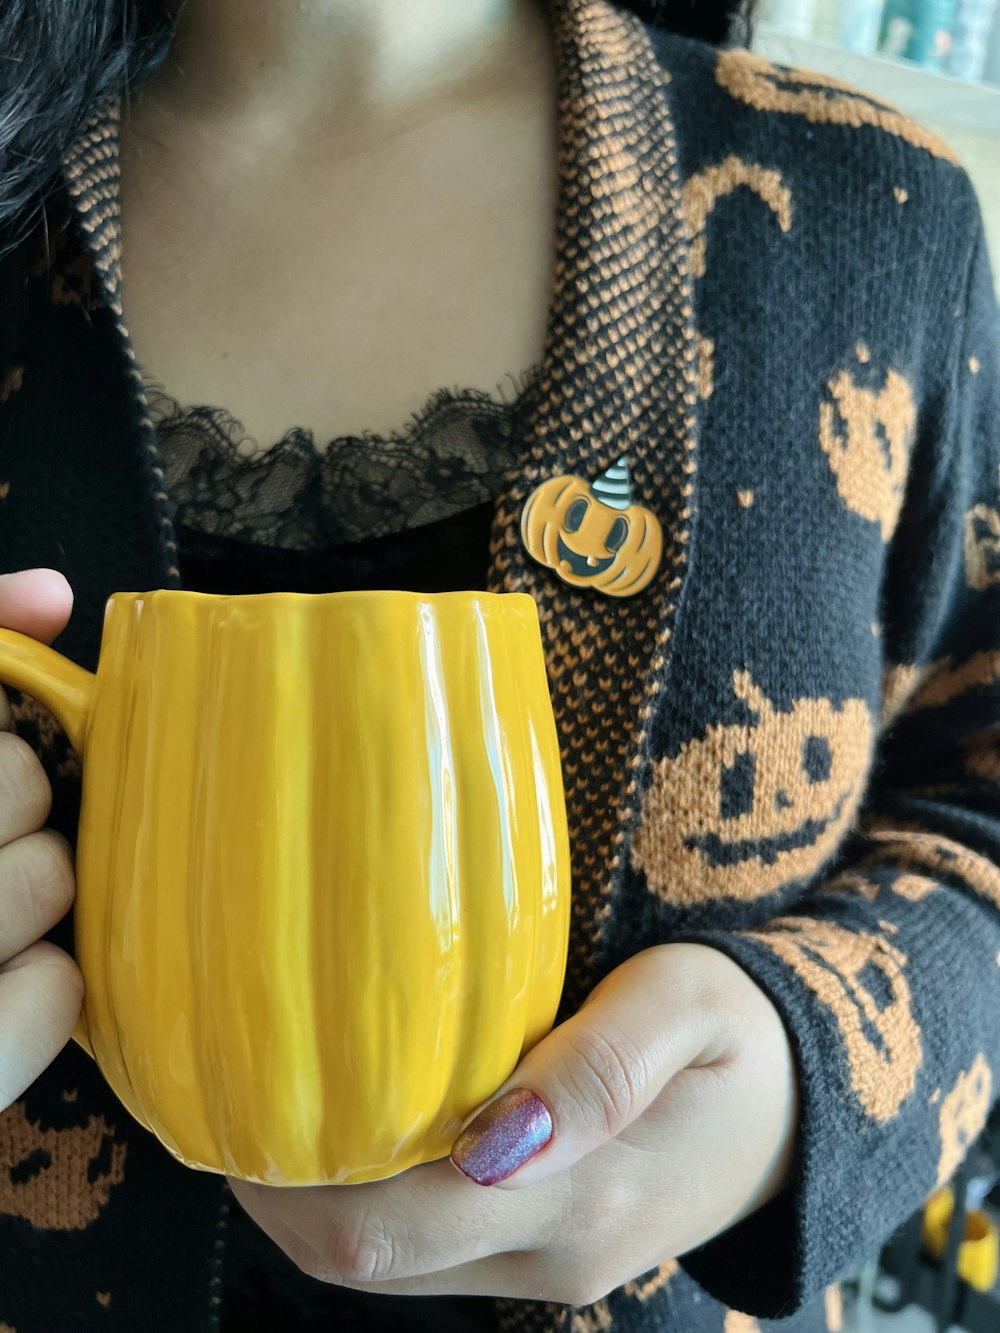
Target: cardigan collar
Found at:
x=617, y=377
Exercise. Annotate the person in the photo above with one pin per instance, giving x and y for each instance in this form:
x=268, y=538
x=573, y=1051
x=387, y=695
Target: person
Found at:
x=740, y=306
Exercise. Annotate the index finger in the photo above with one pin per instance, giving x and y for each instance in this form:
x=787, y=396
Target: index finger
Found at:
x=419, y=1222
x=36, y=602
x=41, y=992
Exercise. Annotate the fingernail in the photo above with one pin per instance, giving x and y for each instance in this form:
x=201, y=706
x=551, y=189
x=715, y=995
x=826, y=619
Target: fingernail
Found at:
x=502, y=1137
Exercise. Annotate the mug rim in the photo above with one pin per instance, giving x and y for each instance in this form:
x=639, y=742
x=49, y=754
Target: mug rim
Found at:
x=352, y=594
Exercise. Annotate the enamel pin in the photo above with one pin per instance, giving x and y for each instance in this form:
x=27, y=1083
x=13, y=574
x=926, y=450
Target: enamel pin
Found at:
x=591, y=535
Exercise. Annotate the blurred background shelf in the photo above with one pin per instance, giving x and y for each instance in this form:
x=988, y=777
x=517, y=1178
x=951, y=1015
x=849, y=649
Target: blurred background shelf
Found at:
x=956, y=37
x=965, y=114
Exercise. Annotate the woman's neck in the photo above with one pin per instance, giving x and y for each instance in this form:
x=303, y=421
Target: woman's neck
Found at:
x=362, y=67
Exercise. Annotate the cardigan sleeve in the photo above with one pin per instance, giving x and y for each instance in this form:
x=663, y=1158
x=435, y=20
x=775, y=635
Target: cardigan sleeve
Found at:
x=887, y=971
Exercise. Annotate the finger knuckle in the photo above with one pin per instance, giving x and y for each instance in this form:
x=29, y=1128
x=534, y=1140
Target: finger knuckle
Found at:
x=60, y=985
x=580, y=1286
x=72, y=982
x=309, y=1263
x=593, y=1292
x=25, y=794
x=612, y=1068
x=61, y=967
x=46, y=869
x=58, y=870
x=369, y=1249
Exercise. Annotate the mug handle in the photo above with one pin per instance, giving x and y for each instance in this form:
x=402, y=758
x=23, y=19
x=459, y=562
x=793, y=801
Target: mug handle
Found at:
x=67, y=690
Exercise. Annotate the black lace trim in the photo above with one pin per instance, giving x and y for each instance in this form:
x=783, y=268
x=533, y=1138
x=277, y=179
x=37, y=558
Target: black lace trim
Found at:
x=453, y=454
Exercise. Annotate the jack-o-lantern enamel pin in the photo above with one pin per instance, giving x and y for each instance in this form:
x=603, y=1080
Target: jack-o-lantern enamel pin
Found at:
x=591, y=535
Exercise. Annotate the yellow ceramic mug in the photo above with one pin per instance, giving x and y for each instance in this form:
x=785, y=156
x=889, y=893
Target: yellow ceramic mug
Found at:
x=322, y=868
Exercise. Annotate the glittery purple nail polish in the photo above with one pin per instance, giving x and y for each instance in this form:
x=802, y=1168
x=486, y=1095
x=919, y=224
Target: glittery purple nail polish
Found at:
x=502, y=1137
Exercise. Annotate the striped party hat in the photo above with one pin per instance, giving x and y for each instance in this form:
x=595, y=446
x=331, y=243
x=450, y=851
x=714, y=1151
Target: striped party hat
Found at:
x=613, y=487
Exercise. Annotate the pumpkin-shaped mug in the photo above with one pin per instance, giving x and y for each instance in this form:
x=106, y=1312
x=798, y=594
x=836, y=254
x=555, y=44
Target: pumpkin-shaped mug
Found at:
x=322, y=868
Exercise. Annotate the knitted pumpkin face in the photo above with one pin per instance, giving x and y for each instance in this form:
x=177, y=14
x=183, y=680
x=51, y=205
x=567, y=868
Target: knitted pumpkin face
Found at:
x=982, y=547
x=588, y=543
x=963, y=1114
x=59, y=1178
x=861, y=979
x=787, y=784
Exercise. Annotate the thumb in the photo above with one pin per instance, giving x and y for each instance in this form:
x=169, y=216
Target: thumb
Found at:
x=36, y=602
x=594, y=1074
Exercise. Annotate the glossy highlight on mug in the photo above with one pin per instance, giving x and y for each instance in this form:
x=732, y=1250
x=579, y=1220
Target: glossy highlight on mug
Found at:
x=503, y=1136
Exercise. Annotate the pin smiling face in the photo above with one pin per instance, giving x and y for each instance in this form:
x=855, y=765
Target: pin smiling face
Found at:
x=590, y=527
x=587, y=543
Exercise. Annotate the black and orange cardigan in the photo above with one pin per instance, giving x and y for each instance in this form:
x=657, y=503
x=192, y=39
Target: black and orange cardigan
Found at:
x=772, y=294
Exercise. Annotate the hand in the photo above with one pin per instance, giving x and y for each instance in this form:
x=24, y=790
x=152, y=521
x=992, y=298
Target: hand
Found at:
x=672, y=1101
x=40, y=987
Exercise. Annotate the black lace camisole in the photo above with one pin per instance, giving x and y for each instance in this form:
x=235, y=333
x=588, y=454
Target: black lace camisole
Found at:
x=410, y=509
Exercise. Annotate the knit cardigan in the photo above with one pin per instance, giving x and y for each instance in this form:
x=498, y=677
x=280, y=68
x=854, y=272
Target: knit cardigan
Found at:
x=771, y=293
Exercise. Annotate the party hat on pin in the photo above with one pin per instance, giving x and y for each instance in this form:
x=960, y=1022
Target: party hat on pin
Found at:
x=614, y=486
